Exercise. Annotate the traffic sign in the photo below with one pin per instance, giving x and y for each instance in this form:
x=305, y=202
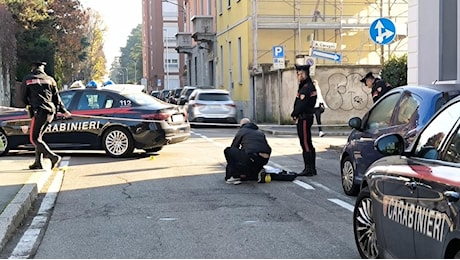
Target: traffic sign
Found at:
x=327, y=55
x=312, y=62
x=382, y=31
x=278, y=57
x=324, y=45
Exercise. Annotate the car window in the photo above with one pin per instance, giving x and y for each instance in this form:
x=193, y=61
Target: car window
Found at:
x=380, y=115
x=453, y=149
x=408, y=110
x=94, y=100
x=67, y=98
x=428, y=144
x=214, y=97
x=139, y=98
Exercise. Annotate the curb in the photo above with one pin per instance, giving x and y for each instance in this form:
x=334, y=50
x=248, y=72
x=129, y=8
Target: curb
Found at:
x=13, y=215
x=280, y=132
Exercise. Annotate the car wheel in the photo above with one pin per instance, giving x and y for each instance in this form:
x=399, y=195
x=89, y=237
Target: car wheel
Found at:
x=364, y=226
x=118, y=142
x=348, y=178
x=4, y=146
x=154, y=150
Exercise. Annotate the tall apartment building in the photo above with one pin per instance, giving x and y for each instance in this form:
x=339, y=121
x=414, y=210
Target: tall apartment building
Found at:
x=163, y=67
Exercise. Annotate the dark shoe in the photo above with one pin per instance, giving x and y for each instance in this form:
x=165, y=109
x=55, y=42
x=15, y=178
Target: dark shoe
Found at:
x=35, y=166
x=55, y=161
x=308, y=173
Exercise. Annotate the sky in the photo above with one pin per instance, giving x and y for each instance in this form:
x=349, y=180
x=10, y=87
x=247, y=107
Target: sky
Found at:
x=120, y=17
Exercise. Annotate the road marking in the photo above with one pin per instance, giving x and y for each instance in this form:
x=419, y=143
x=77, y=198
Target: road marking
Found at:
x=303, y=185
x=321, y=186
x=29, y=239
x=343, y=204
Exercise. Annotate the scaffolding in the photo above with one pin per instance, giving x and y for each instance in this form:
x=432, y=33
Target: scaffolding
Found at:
x=344, y=22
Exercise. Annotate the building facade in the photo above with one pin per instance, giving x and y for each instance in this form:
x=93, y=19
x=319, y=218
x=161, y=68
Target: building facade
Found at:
x=247, y=32
x=163, y=67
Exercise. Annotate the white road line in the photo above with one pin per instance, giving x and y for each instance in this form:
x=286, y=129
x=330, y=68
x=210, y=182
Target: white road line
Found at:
x=29, y=239
x=343, y=204
x=321, y=186
x=303, y=185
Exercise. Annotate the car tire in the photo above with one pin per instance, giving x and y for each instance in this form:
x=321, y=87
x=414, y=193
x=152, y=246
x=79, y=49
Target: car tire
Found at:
x=348, y=177
x=153, y=150
x=364, y=226
x=118, y=142
x=4, y=145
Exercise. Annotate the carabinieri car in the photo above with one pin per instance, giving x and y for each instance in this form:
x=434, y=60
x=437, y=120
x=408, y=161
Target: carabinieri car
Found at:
x=116, y=118
x=409, y=204
x=403, y=110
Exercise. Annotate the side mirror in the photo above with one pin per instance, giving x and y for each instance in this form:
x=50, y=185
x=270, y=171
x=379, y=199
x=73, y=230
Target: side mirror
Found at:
x=390, y=144
x=355, y=123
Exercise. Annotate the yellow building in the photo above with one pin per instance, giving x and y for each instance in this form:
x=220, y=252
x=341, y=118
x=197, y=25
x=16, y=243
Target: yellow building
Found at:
x=247, y=31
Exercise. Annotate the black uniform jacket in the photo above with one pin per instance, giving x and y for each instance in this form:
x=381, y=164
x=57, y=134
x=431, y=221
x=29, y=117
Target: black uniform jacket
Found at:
x=379, y=88
x=40, y=92
x=250, y=139
x=307, y=104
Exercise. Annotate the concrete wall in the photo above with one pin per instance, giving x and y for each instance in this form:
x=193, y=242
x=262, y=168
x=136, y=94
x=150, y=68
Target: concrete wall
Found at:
x=344, y=94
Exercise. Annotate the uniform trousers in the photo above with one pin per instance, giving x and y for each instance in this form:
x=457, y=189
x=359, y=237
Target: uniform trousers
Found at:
x=240, y=164
x=304, y=132
x=39, y=123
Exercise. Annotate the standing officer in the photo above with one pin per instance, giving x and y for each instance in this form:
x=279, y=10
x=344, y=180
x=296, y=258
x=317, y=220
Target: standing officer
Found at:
x=378, y=86
x=304, y=108
x=40, y=94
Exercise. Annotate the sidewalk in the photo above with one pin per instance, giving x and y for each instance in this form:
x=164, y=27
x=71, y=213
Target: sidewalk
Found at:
x=19, y=188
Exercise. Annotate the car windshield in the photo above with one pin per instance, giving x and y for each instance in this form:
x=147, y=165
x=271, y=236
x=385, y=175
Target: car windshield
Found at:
x=144, y=99
x=214, y=97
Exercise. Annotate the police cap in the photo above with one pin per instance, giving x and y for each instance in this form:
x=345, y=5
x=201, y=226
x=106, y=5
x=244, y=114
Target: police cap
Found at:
x=38, y=63
x=302, y=68
x=369, y=75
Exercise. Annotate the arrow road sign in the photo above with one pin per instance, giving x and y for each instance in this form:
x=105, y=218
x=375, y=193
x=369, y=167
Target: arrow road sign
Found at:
x=327, y=55
x=382, y=31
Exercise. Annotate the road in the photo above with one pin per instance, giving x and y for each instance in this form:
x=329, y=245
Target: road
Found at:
x=176, y=204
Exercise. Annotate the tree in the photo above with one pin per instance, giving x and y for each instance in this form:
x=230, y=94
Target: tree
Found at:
x=131, y=55
x=394, y=71
x=7, y=53
x=94, y=65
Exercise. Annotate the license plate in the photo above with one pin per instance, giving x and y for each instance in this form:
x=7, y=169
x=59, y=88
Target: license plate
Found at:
x=177, y=118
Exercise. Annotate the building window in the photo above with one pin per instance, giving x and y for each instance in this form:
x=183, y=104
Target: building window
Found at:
x=221, y=72
x=209, y=7
x=230, y=73
x=220, y=7
x=229, y=4
x=240, y=62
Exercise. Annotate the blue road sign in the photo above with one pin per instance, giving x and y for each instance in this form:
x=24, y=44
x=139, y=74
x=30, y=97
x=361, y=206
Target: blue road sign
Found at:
x=382, y=31
x=327, y=55
x=278, y=52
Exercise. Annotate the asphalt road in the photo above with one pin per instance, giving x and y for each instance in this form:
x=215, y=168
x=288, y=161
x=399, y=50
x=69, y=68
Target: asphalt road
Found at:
x=175, y=204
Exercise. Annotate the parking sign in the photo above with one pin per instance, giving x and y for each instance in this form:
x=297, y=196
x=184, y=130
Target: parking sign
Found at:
x=278, y=57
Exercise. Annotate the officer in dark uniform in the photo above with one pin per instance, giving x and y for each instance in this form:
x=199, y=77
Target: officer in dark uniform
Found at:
x=248, y=153
x=304, y=109
x=40, y=94
x=378, y=86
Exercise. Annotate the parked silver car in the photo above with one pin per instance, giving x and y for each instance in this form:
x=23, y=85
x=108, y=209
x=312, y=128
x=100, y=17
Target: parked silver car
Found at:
x=211, y=105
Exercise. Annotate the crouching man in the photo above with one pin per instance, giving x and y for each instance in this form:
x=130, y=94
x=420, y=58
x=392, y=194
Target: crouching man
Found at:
x=248, y=153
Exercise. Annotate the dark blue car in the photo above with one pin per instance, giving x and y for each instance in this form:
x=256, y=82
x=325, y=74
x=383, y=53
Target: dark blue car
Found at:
x=409, y=203
x=403, y=110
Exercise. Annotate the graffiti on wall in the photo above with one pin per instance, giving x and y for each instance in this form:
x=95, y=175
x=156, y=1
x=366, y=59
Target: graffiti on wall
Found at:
x=346, y=92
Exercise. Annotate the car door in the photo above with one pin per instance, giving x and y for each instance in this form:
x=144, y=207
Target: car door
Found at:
x=399, y=201
x=89, y=115
x=378, y=121
x=438, y=192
